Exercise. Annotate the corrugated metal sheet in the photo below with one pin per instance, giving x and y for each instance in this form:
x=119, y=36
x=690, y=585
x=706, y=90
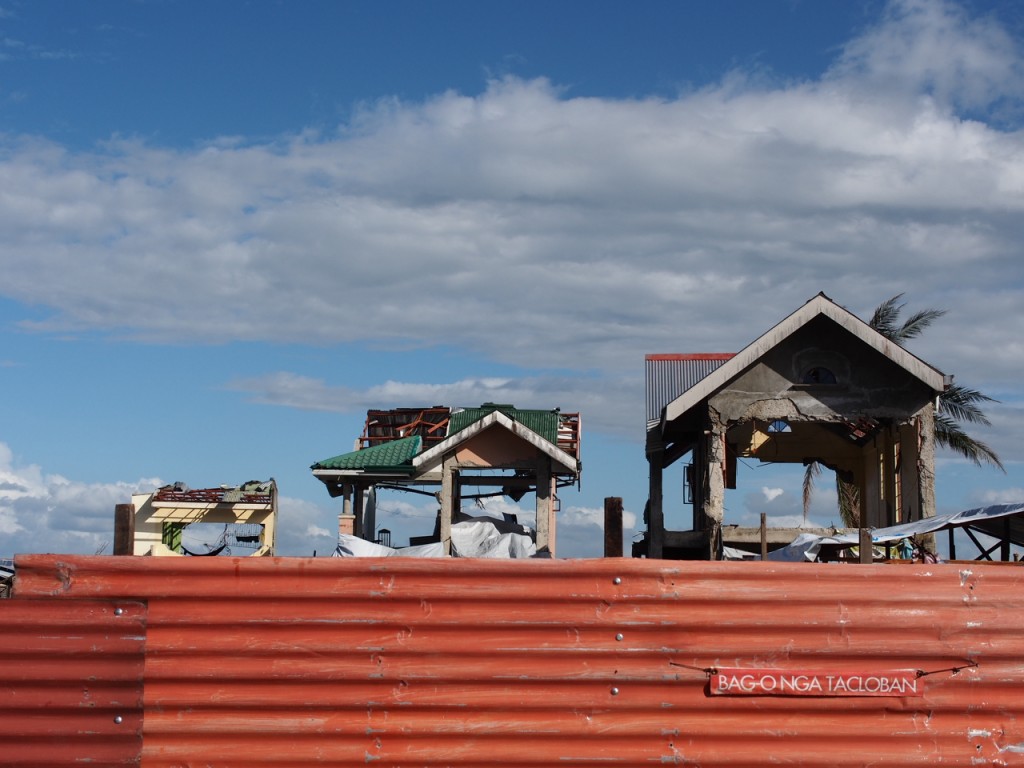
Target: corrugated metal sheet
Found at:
x=544, y=423
x=71, y=682
x=590, y=662
x=395, y=455
x=668, y=376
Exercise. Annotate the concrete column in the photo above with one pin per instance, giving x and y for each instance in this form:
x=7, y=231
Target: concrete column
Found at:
x=909, y=461
x=346, y=520
x=655, y=509
x=358, y=528
x=714, y=473
x=888, y=475
x=543, y=507
x=926, y=460
x=871, y=495
x=447, y=502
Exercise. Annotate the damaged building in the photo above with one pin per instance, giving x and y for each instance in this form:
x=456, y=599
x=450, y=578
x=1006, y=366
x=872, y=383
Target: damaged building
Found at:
x=821, y=386
x=238, y=520
x=455, y=455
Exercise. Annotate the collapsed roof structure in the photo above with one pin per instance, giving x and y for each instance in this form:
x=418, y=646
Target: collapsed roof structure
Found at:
x=506, y=450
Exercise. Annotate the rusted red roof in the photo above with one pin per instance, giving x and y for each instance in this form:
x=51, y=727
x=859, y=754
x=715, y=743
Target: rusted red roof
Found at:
x=249, y=493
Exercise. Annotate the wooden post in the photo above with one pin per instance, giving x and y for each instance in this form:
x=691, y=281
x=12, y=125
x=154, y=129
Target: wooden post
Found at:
x=124, y=529
x=613, y=526
x=764, y=536
x=866, y=555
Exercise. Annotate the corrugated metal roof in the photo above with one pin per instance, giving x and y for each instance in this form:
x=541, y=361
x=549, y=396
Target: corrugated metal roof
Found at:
x=392, y=456
x=544, y=423
x=585, y=662
x=669, y=375
x=71, y=682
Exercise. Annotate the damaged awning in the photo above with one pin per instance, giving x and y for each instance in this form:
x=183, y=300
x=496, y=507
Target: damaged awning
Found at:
x=807, y=546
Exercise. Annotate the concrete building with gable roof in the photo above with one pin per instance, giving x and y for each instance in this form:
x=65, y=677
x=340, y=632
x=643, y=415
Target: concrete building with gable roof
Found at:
x=821, y=385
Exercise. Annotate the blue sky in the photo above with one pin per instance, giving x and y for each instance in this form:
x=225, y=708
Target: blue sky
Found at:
x=227, y=229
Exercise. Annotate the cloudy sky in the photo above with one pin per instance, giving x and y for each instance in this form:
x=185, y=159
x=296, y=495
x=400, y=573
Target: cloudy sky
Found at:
x=227, y=229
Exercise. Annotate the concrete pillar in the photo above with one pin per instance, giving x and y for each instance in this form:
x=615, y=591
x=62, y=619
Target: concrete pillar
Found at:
x=655, y=509
x=357, y=511
x=447, y=502
x=926, y=460
x=871, y=495
x=714, y=474
x=544, y=507
x=909, y=484
x=346, y=520
x=888, y=447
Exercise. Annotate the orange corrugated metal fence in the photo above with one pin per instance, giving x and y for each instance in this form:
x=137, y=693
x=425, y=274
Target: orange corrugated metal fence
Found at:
x=400, y=662
x=71, y=682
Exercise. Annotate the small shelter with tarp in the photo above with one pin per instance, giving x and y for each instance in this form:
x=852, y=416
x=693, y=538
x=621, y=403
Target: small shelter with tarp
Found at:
x=456, y=453
x=821, y=386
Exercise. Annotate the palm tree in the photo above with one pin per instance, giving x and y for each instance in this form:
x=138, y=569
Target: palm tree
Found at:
x=956, y=404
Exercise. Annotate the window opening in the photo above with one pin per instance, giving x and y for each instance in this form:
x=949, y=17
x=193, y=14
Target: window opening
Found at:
x=818, y=375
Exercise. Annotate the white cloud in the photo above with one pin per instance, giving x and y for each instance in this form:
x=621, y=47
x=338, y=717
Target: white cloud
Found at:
x=304, y=528
x=935, y=47
x=1002, y=496
x=543, y=229
x=770, y=494
x=530, y=227
x=48, y=512
x=584, y=395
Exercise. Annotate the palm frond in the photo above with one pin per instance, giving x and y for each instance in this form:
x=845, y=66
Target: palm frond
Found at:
x=961, y=404
x=811, y=472
x=886, y=316
x=849, y=502
x=949, y=434
x=916, y=323
x=886, y=320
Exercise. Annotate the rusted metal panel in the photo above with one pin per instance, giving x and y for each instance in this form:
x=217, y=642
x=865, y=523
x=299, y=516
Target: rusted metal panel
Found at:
x=71, y=682
x=668, y=376
x=592, y=662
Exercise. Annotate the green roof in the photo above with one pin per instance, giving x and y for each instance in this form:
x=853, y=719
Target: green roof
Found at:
x=544, y=423
x=394, y=456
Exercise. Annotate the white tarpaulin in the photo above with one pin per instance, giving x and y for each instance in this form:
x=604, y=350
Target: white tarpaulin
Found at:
x=471, y=537
x=353, y=546
x=806, y=546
